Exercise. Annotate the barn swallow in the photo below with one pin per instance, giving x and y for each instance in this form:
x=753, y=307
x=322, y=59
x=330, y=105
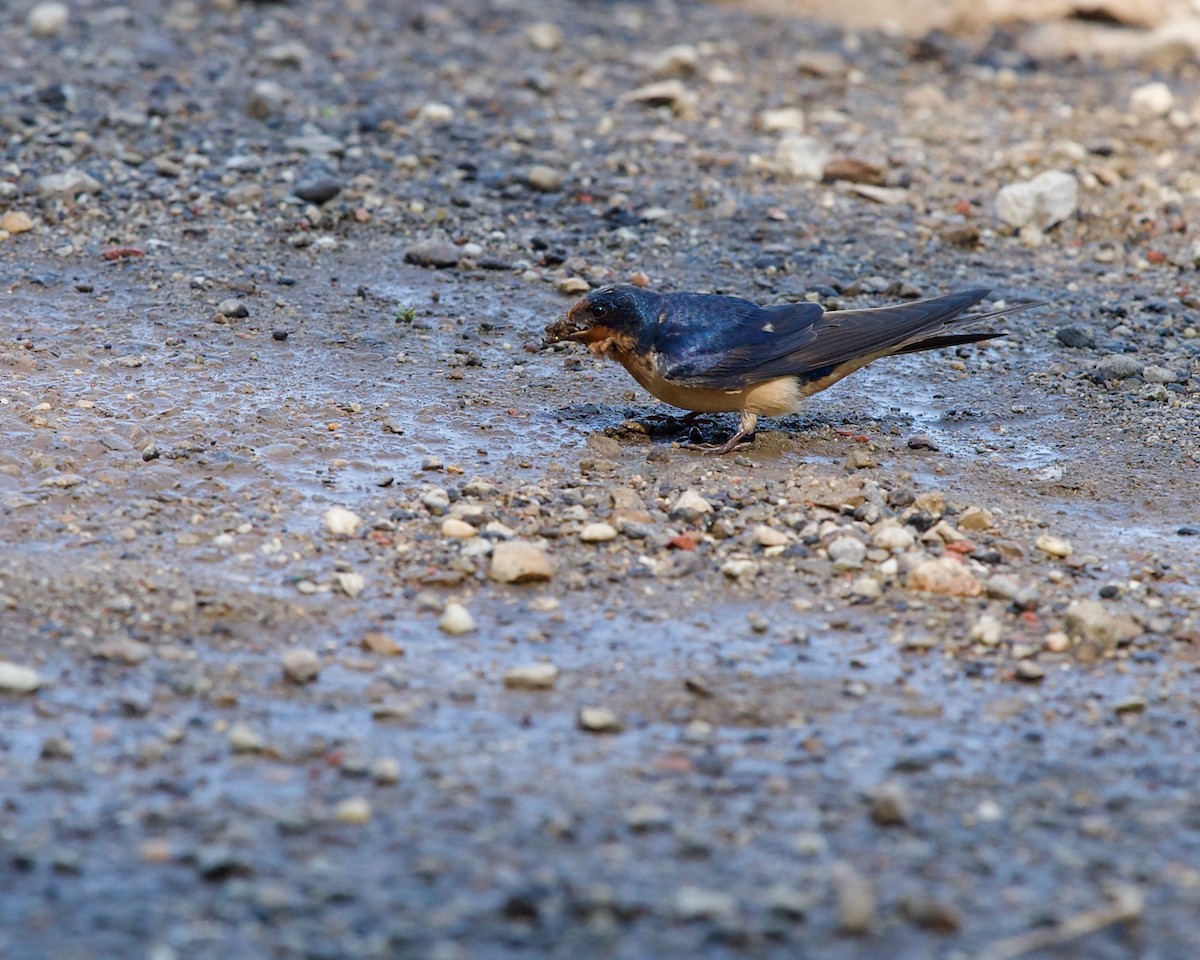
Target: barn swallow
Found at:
x=710, y=354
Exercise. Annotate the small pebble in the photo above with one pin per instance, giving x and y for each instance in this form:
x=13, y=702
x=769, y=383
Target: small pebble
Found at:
x=1056, y=642
x=598, y=533
x=456, y=620
x=946, y=576
x=15, y=678
x=782, y=120
x=680, y=60
x=457, y=529
x=1047, y=199
x=690, y=506
x=16, y=221
x=433, y=253
x=386, y=771
x=341, y=522
x=801, y=157
x=766, y=536
x=889, y=806
x=1117, y=366
x=533, y=676
x=1151, y=101
x=599, y=720
x=516, y=561
x=354, y=810
x=350, y=583
x=233, y=309
x=855, y=899
x=435, y=113
x=301, y=666
x=1029, y=671
x=1054, y=546
x=320, y=190
x=47, y=20
x=544, y=178
x=696, y=903
x=573, y=285
x=242, y=739
x=544, y=36
x=847, y=553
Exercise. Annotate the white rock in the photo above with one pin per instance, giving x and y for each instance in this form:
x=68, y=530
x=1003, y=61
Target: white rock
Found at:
x=242, y=739
x=782, y=120
x=544, y=178
x=597, y=533
x=267, y=98
x=739, y=568
x=458, y=529
x=801, y=156
x=847, y=553
x=355, y=810
x=680, y=60
x=944, y=575
x=515, y=561
x=350, y=583
x=386, y=770
x=599, y=720
x=301, y=666
x=891, y=536
x=866, y=588
x=1054, y=546
x=696, y=903
x=1151, y=101
x=47, y=19
x=690, y=505
x=1047, y=199
x=342, y=522
x=436, y=113
x=766, y=536
x=15, y=678
x=69, y=183
x=544, y=36
x=456, y=619
x=987, y=630
x=532, y=676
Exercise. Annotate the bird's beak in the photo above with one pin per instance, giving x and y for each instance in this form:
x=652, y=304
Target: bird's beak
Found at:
x=570, y=326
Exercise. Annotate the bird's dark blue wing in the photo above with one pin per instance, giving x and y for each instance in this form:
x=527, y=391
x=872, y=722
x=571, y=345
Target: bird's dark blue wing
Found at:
x=740, y=346
x=719, y=341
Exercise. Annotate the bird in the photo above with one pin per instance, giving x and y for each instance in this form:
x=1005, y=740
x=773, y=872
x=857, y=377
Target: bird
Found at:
x=711, y=353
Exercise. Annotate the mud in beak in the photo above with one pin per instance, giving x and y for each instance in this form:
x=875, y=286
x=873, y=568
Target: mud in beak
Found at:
x=570, y=326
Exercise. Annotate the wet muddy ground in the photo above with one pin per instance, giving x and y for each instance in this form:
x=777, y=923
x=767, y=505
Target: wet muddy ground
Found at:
x=915, y=675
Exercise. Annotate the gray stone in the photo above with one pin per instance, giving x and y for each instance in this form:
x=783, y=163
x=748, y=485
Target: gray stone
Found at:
x=69, y=183
x=234, y=309
x=1117, y=366
x=266, y=100
x=1076, y=337
x=433, y=253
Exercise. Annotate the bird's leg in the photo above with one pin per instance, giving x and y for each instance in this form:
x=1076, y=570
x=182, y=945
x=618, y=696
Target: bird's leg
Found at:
x=745, y=429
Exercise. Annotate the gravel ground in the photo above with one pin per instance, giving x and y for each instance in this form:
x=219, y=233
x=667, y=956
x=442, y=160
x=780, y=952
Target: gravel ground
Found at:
x=341, y=619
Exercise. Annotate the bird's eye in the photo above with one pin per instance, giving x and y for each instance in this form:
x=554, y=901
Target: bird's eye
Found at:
x=599, y=311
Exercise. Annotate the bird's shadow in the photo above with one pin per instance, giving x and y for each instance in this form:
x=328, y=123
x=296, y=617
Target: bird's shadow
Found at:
x=700, y=432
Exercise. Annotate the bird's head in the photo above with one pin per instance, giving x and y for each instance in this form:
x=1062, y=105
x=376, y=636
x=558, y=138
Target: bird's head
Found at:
x=610, y=315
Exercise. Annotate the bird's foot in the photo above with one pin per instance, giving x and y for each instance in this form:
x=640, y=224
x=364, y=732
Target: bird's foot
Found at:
x=739, y=439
